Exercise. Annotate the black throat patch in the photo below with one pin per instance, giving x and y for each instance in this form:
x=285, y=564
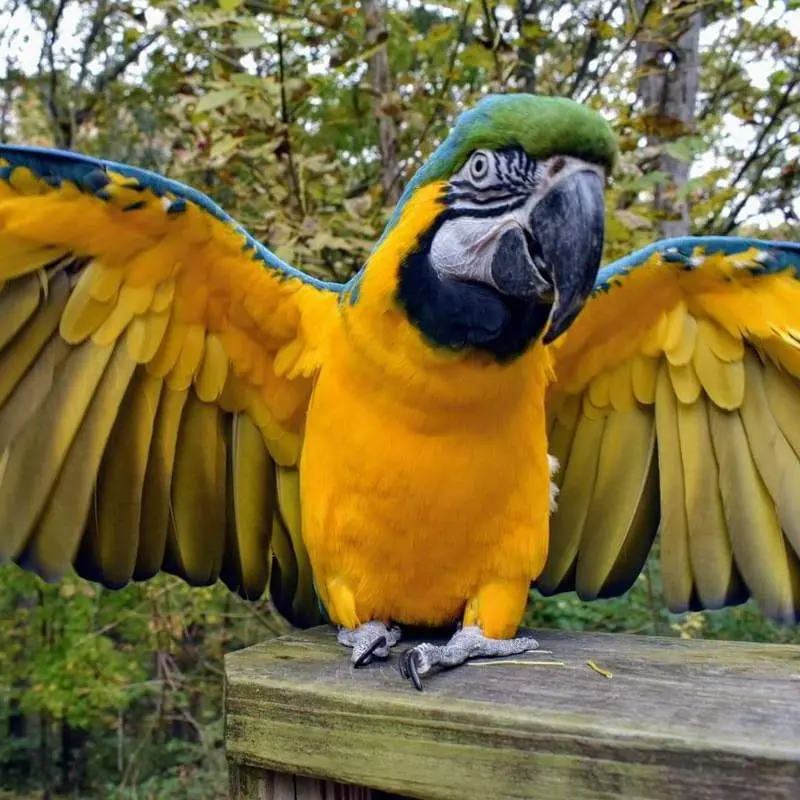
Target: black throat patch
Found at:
x=459, y=315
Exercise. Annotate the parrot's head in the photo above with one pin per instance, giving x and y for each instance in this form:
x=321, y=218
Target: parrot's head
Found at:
x=513, y=250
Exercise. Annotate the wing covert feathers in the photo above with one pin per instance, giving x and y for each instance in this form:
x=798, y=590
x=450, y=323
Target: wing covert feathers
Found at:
x=688, y=370
x=155, y=365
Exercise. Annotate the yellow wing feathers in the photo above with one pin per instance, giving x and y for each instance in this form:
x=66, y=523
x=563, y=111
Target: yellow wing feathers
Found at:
x=689, y=380
x=178, y=289
x=153, y=369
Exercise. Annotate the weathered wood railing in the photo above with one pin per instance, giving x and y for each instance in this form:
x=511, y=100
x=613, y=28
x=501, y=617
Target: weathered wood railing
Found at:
x=677, y=719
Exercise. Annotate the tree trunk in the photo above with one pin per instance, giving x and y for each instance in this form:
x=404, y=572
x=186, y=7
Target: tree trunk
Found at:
x=667, y=60
x=18, y=764
x=381, y=82
x=72, y=764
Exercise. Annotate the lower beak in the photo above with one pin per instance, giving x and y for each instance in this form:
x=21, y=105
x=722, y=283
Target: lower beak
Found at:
x=567, y=225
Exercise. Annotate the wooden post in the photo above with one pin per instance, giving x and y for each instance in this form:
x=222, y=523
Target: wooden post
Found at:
x=677, y=720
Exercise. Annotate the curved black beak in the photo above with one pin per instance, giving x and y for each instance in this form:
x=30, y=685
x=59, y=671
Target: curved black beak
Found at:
x=567, y=225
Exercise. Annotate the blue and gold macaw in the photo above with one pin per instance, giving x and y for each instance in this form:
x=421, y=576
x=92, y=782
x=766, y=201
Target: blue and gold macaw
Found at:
x=175, y=397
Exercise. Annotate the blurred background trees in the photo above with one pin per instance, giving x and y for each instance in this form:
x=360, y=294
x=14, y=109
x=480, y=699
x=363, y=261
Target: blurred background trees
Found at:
x=304, y=120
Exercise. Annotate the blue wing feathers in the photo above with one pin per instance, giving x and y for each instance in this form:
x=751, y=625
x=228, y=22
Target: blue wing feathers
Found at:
x=89, y=175
x=774, y=256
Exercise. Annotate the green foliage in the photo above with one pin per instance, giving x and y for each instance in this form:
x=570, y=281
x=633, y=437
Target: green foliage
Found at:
x=140, y=669
x=642, y=611
x=272, y=109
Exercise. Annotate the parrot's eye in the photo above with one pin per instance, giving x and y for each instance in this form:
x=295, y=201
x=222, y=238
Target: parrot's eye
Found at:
x=478, y=166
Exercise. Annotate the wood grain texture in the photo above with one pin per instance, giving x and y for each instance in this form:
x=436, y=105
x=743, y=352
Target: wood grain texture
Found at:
x=249, y=783
x=678, y=720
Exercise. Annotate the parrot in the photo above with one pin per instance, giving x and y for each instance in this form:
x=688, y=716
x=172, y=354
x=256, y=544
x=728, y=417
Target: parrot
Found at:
x=480, y=410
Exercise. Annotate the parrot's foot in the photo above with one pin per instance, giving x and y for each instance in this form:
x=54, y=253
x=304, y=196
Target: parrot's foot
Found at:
x=466, y=644
x=369, y=641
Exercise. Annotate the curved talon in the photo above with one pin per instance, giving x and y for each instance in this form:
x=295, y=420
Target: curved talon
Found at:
x=370, y=641
x=401, y=664
x=366, y=656
x=415, y=679
x=408, y=668
x=466, y=644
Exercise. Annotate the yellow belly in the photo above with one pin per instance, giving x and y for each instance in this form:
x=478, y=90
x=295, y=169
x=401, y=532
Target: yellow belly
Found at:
x=410, y=508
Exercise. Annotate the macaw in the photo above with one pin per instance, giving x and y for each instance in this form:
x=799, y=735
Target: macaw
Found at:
x=175, y=397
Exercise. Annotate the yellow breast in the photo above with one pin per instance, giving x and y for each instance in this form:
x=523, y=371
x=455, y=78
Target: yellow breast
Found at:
x=414, y=503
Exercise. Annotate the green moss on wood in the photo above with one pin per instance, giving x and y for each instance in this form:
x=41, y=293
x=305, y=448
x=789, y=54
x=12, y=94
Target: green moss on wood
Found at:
x=679, y=718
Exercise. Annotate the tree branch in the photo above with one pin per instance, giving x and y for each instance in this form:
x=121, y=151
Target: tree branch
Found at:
x=755, y=154
x=626, y=45
x=113, y=72
x=315, y=19
x=7, y=87
x=526, y=54
x=448, y=77
x=63, y=135
x=726, y=75
x=589, y=53
x=731, y=220
x=783, y=103
x=494, y=37
x=11, y=32
x=98, y=18
x=591, y=50
x=287, y=121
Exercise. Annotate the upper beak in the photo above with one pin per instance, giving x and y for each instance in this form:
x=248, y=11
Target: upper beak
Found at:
x=567, y=225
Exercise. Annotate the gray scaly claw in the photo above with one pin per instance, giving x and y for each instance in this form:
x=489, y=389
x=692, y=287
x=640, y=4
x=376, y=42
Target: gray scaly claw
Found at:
x=370, y=641
x=466, y=644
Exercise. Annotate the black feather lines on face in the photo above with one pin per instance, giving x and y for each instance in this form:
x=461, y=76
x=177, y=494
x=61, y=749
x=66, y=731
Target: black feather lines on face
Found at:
x=513, y=179
x=460, y=315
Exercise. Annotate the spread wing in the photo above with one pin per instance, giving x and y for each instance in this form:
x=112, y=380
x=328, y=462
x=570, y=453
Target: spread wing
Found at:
x=155, y=367
x=676, y=404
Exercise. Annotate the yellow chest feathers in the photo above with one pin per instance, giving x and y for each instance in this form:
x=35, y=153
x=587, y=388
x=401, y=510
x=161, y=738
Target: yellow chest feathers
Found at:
x=423, y=481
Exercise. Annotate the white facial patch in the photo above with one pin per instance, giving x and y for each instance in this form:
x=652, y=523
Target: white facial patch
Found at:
x=464, y=247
